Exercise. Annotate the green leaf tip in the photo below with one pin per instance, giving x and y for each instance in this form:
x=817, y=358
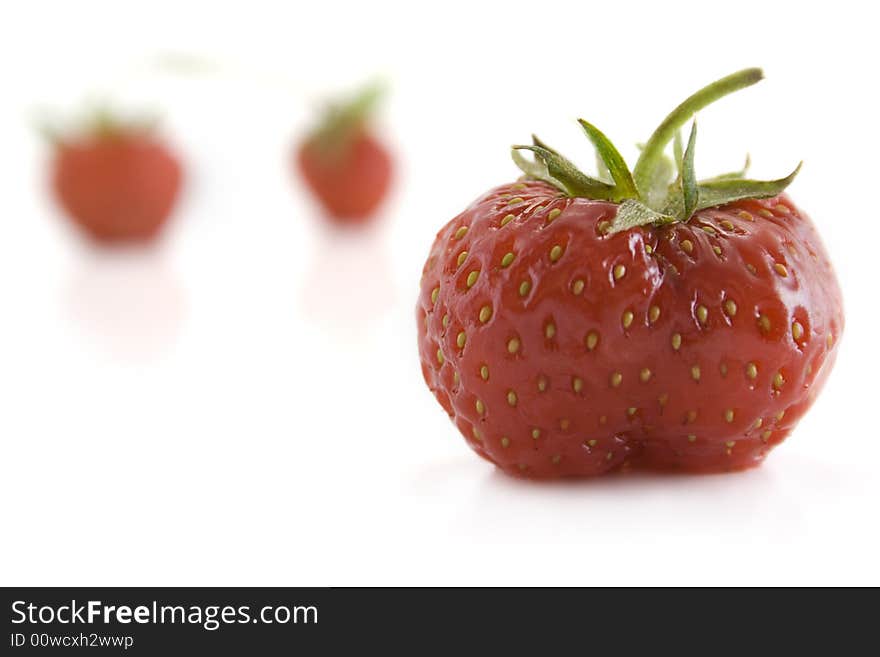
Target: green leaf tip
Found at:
x=689, y=191
x=551, y=167
x=541, y=144
x=719, y=192
x=660, y=189
x=624, y=185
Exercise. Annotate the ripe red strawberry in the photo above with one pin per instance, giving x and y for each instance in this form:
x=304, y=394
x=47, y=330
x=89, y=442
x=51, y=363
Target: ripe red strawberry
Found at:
x=571, y=325
x=117, y=181
x=344, y=164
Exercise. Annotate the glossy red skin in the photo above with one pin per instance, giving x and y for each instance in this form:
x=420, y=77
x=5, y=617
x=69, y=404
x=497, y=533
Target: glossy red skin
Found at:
x=638, y=423
x=349, y=184
x=119, y=187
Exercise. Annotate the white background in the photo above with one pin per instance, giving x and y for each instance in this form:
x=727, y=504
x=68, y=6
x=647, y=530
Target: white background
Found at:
x=243, y=403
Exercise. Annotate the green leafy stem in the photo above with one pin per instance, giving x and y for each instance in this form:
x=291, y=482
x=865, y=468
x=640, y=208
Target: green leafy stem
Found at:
x=343, y=119
x=658, y=190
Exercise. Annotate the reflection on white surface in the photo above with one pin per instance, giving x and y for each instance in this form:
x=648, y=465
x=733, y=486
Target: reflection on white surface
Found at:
x=637, y=503
x=127, y=301
x=348, y=284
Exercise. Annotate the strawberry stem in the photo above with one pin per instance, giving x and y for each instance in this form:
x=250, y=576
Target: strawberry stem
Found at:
x=665, y=132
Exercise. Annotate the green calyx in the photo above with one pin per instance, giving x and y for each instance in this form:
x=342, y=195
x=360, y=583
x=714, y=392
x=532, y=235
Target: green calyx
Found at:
x=659, y=189
x=104, y=123
x=100, y=122
x=343, y=120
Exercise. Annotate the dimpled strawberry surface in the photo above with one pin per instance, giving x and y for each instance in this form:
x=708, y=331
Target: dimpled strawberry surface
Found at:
x=565, y=338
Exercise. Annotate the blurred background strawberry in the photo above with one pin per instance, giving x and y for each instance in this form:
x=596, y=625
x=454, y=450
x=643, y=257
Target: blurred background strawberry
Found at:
x=115, y=178
x=345, y=164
